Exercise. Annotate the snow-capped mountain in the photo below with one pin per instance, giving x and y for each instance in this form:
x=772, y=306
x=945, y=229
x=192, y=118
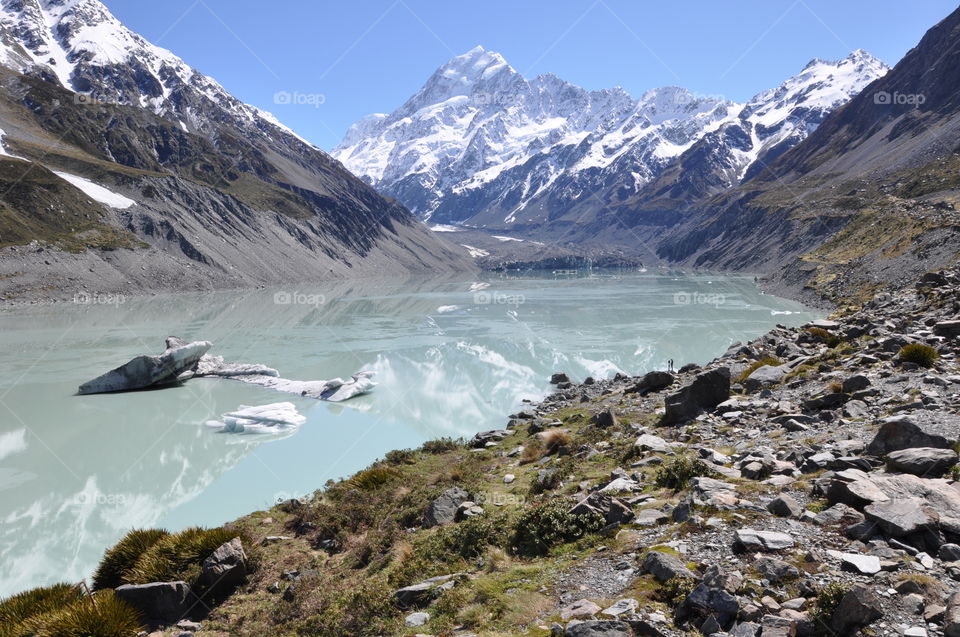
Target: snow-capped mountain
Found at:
x=482, y=145
x=218, y=188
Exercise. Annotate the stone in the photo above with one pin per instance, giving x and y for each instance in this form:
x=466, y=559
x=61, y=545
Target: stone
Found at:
x=509, y=478
x=558, y=378
x=707, y=390
x=485, y=439
x=926, y=462
x=775, y=570
x=607, y=628
x=225, y=569
x=150, y=371
x=649, y=442
x=604, y=419
x=622, y=606
x=443, y=510
x=414, y=620
x=947, y=329
x=160, y=602
x=704, y=602
x=838, y=515
x=775, y=626
x=825, y=401
x=855, y=383
x=765, y=376
x=949, y=553
x=905, y=432
x=664, y=567
x=785, y=506
x=951, y=617
x=900, y=518
x=651, y=381
x=611, y=509
x=858, y=608
x=747, y=540
x=858, y=563
x=421, y=594
x=579, y=609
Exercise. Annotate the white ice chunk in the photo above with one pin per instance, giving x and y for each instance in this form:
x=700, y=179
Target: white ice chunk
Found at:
x=262, y=419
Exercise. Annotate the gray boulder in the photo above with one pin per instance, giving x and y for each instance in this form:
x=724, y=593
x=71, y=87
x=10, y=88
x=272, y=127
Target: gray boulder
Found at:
x=160, y=602
x=419, y=595
x=751, y=540
x=947, y=329
x=664, y=567
x=612, y=510
x=951, y=618
x=706, y=391
x=704, y=602
x=225, y=569
x=859, y=607
x=905, y=432
x=652, y=381
x=443, y=510
x=766, y=376
x=928, y=462
x=176, y=362
x=599, y=628
x=785, y=506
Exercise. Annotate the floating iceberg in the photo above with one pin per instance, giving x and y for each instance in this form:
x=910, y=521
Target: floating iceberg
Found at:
x=182, y=361
x=263, y=419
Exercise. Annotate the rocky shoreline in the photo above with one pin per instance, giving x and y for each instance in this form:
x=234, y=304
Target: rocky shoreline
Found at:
x=804, y=483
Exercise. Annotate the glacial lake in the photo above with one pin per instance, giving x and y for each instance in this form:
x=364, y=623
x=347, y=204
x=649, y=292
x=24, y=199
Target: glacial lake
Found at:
x=452, y=357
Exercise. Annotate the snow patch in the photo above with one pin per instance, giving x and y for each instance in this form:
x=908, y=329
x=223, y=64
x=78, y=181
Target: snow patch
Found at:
x=97, y=192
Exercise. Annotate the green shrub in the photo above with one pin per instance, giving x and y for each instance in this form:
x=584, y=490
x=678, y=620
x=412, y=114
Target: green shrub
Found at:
x=675, y=590
x=373, y=478
x=677, y=472
x=441, y=445
x=16, y=610
x=122, y=557
x=467, y=540
x=179, y=556
x=401, y=457
x=827, y=338
x=922, y=355
x=541, y=528
x=828, y=600
x=99, y=615
x=754, y=366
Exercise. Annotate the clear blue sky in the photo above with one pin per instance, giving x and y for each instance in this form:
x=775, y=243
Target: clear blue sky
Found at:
x=366, y=56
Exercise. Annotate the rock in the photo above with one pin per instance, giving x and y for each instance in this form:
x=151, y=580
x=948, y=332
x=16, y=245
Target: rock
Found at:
x=160, y=602
x=704, y=602
x=706, y=391
x=488, y=438
x=947, y=329
x=717, y=577
x=664, y=567
x=509, y=478
x=855, y=383
x=649, y=442
x=785, y=506
x=766, y=376
x=901, y=518
x=775, y=570
x=622, y=606
x=711, y=492
x=775, y=626
x=225, y=569
x=558, y=378
x=466, y=510
x=607, y=628
x=747, y=540
x=414, y=620
x=150, y=371
x=604, y=419
x=578, y=609
x=949, y=553
x=443, y=510
x=857, y=563
x=825, y=401
x=905, y=432
x=611, y=509
x=859, y=607
x=824, y=324
x=926, y=462
x=652, y=381
x=951, y=617
x=421, y=594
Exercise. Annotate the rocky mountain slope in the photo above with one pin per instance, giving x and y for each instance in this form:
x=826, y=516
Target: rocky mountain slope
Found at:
x=803, y=484
x=114, y=144
x=481, y=145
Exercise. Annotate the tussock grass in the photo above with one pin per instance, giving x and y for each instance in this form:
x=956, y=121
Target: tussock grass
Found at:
x=63, y=610
x=117, y=561
x=677, y=472
x=178, y=557
x=922, y=355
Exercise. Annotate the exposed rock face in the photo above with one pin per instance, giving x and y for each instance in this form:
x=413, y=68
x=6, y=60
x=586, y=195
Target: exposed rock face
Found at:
x=925, y=462
x=707, y=390
x=906, y=432
x=225, y=569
